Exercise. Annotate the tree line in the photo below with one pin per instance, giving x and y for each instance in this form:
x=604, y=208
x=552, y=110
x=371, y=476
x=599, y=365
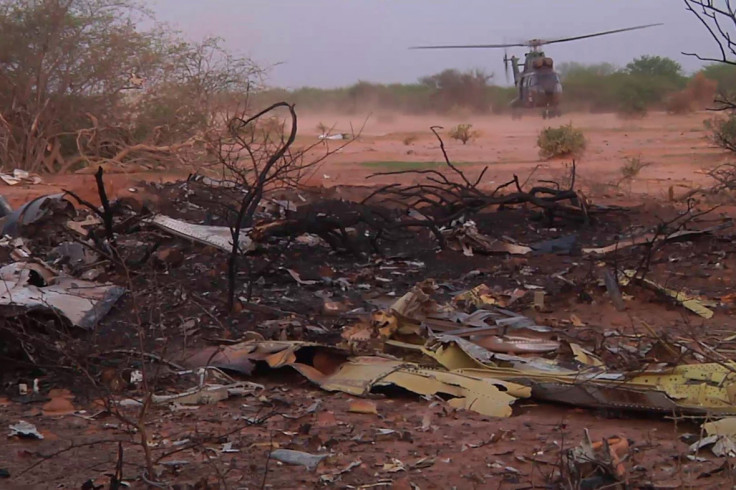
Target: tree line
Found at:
x=646, y=83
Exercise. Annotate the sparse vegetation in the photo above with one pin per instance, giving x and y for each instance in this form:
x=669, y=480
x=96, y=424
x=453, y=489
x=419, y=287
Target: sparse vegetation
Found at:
x=83, y=84
x=463, y=133
x=723, y=131
x=632, y=103
x=632, y=167
x=564, y=141
x=646, y=83
x=322, y=128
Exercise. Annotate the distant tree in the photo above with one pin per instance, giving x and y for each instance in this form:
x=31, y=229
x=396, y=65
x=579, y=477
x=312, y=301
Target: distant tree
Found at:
x=723, y=74
x=462, y=89
x=579, y=70
x=590, y=87
x=656, y=66
x=719, y=21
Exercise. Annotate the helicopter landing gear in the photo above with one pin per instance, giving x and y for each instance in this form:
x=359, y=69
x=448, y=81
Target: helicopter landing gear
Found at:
x=551, y=112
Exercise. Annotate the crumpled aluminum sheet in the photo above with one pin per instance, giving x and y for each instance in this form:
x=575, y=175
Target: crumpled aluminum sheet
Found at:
x=34, y=211
x=81, y=303
x=216, y=236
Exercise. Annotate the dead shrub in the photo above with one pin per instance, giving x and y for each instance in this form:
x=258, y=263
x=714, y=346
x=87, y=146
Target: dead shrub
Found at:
x=408, y=140
x=632, y=168
x=564, y=141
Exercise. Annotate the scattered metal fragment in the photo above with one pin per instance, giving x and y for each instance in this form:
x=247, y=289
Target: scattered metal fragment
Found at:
x=208, y=394
x=298, y=458
x=596, y=464
x=216, y=236
x=25, y=220
x=21, y=177
x=468, y=239
x=609, y=278
x=27, y=287
x=691, y=303
x=24, y=429
x=361, y=375
x=563, y=245
x=649, y=237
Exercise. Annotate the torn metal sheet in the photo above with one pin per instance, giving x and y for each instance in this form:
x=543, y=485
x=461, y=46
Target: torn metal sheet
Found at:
x=298, y=458
x=208, y=394
x=579, y=378
x=482, y=295
x=515, y=345
x=694, y=389
x=457, y=353
x=598, y=464
x=332, y=370
x=26, y=287
x=707, y=386
x=24, y=429
x=334, y=137
x=80, y=226
x=35, y=212
x=417, y=303
x=649, y=237
x=208, y=181
x=609, y=279
x=361, y=375
x=15, y=248
x=21, y=177
x=723, y=427
x=242, y=357
x=721, y=446
x=564, y=245
x=468, y=239
x=216, y=236
x=693, y=304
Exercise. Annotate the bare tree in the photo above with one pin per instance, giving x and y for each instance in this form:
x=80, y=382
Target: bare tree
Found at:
x=257, y=156
x=719, y=19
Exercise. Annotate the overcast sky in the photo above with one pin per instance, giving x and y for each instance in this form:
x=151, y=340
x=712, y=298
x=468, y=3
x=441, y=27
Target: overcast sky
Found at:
x=329, y=43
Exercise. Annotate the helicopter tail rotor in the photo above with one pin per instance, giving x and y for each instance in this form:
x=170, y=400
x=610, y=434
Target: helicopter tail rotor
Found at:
x=506, y=64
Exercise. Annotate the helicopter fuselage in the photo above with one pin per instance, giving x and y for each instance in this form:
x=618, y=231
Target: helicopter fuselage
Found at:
x=538, y=88
x=538, y=84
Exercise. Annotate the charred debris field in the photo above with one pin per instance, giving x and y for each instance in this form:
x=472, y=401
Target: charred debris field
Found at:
x=430, y=333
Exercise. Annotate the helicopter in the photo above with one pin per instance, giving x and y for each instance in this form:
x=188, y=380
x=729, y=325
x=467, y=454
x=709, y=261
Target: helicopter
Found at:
x=537, y=83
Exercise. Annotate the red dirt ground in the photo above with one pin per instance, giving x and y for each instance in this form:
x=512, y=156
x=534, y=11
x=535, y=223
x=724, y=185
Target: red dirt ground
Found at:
x=466, y=449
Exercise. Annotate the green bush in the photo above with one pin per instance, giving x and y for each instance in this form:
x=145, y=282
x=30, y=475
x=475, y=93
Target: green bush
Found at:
x=463, y=132
x=561, y=142
x=724, y=75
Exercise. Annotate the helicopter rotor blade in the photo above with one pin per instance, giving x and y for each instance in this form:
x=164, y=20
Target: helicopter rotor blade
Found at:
x=481, y=46
x=604, y=33
x=535, y=43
